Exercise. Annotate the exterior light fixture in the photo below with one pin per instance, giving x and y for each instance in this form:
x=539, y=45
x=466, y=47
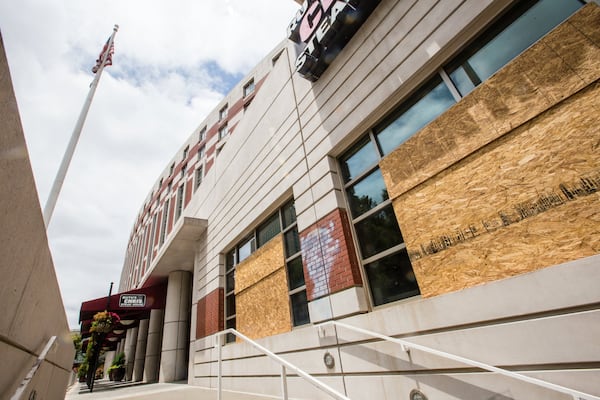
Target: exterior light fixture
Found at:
x=118, y=331
x=113, y=339
x=328, y=360
x=127, y=322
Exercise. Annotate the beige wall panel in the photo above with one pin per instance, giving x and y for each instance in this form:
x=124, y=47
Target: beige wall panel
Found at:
x=502, y=211
x=262, y=300
x=555, y=68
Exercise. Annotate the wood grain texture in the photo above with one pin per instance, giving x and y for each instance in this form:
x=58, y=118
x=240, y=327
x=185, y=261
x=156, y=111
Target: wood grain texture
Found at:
x=261, y=292
x=507, y=181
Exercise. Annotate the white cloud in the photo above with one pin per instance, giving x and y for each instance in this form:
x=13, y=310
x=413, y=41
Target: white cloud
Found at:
x=161, y=86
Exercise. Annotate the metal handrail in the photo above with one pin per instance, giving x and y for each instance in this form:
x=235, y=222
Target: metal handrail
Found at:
x=406, y=346
x=283, y=363
x=36, y=365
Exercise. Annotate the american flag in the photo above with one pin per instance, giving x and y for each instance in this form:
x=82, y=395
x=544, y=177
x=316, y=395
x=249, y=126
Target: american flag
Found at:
x=108, y=54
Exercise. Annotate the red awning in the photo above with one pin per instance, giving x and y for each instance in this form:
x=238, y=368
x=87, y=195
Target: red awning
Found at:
x=133, y=304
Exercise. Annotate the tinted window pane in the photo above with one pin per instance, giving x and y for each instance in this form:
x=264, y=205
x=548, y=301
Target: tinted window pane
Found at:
x=433, y=100
x=230, y=305
x=367, y=193
x=230, y=323
x=300, y=308
x=230, y=281
x=230, y=259
x=391, y=278
x=288, y=214
x=292, y=242
x=378, y=232
x=295, y=273
x=268, y=230
x=507, y=39
x=358, y=159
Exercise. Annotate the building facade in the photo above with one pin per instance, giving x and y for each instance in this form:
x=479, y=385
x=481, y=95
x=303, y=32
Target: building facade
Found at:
x=435, y=178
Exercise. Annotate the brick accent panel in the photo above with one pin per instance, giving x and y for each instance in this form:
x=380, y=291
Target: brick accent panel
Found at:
x=210, y=314
x=329, y=257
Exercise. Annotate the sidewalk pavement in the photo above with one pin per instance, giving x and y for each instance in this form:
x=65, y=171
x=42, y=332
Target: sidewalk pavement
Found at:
x=105, y=389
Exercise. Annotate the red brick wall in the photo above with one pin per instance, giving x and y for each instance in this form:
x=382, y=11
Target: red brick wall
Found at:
x=329, y=257
x=210, y=314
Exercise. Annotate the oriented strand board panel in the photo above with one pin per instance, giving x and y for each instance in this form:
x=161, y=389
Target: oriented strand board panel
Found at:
x=507, y=181
x=261, y=292
x=526, y=201
x=560, y=64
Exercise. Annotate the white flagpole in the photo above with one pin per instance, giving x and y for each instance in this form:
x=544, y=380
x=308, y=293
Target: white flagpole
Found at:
x=64, y=165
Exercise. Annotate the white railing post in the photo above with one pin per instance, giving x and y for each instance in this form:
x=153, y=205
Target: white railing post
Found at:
x=284, y=391
x=219, y=368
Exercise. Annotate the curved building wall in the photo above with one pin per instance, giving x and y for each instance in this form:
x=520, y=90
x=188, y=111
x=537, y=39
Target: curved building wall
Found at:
x=410, y=192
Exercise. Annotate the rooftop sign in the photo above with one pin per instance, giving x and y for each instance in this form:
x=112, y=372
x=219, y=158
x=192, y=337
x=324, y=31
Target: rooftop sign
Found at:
x=323, y=28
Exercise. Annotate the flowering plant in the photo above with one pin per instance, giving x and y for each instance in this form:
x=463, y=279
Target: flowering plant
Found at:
x=104, y=321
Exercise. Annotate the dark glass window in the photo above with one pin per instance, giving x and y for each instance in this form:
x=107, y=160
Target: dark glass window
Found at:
x=432, y=100
x=292, y=242
x=378, y=232
x=300, y=308
x=362, y=156
x=230, y=306
x=295, y=273
x=367, y=193
x=391, y=278
x=288, y=214
x=513, y=34
x=268, y=230
x=230, y=264
x=230, y=323
x=230, y=281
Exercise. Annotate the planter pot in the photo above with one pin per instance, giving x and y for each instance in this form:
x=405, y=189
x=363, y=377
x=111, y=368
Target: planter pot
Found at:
x=117, y=375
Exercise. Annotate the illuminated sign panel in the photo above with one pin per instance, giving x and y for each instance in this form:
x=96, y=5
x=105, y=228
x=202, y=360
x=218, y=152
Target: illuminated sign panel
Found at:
x=324, y=27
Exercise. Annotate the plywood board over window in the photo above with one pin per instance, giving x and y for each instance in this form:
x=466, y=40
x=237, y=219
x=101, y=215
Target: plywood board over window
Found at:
x=521, y=192
x=261, y=292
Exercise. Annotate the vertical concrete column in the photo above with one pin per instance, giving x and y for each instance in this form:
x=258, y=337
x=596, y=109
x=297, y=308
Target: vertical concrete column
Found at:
x=153, y=343
x=174, y=355
x=109, y=356
x=130, y=344
x=140, y=351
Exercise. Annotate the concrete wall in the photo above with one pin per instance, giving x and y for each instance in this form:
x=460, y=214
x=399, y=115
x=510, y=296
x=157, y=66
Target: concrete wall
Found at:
x=32, y=308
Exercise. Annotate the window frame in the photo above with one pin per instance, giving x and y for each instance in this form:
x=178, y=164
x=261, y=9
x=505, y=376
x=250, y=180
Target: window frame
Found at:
x=233, y=255
x=223, y=131
x=249, y=88
x=223, y=112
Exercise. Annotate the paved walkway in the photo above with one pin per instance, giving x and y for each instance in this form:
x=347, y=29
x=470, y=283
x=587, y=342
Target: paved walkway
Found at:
x=105, y=389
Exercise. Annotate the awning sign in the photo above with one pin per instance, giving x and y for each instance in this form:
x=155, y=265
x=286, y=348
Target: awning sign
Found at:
x=132, y=300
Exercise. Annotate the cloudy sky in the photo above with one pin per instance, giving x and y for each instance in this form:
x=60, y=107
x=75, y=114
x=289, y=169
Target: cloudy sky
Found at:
x=173, y=62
